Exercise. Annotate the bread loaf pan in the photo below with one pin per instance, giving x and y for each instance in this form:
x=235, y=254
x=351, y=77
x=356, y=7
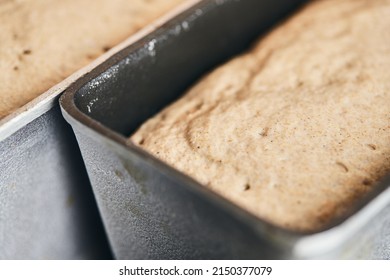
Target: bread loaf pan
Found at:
x=47, y=208
x=152, y=211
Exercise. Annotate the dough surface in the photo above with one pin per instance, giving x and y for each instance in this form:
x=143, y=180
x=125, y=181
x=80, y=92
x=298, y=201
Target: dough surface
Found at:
x=297, y=129
x=44, y=41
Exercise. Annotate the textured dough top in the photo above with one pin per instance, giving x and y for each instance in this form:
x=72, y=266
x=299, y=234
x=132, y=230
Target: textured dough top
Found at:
x=44, y=41
x=296, y=130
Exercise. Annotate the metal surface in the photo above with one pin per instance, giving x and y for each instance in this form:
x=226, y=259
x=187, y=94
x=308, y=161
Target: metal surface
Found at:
x=152, y=211
x=47, y=210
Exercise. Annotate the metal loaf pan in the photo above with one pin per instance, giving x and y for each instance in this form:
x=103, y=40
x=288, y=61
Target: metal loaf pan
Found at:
x=150, y=210
x=47, y=208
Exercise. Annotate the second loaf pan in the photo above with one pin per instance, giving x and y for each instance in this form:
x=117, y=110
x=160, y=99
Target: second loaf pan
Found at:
x=150, y=210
